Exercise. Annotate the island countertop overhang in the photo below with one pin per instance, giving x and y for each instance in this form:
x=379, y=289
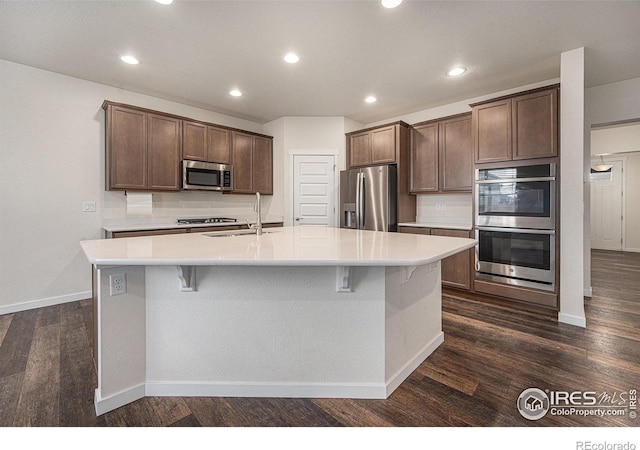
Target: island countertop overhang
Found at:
x=287, y=246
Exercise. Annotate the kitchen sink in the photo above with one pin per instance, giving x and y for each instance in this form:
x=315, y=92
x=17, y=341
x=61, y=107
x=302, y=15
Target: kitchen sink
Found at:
x=231, y=233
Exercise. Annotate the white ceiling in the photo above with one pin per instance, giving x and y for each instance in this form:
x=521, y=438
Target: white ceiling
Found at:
x=194, y=52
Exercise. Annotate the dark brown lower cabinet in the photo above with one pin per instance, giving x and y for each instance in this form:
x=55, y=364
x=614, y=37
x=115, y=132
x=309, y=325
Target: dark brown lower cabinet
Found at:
x=456, y=269
x=157, y=232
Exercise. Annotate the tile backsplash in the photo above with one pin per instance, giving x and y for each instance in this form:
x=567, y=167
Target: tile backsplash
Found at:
x=183, y=204
x=445, y=208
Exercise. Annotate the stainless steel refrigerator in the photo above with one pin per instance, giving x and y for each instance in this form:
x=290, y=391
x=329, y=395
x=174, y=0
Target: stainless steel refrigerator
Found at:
x=368, y=198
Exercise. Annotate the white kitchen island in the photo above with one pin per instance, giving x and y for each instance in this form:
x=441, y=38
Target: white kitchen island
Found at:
x=295, y=312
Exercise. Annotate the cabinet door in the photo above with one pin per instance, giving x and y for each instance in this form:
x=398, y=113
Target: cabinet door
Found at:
x=219, y=228
x=456, y=269
x=414, y=230
x=424, y=158
x=535, y=118
x=383, y=145
x=126, y=148
x=456, y=154
x=194, y=141
x=163, y=152
x=360, y=149
x=218, y=145
x=126, y=234
x=262, y=165
x=492, y=131
x=242, y=160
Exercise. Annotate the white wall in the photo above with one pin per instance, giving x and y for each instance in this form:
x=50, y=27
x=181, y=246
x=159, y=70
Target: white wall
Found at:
x=304, y=134
x=573, y=166
x=632, y=200
x=604, y=104
x=624, y=139
x=51, y=160
x=615, y=139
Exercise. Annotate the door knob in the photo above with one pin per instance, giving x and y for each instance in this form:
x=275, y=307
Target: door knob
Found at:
x=297, y=219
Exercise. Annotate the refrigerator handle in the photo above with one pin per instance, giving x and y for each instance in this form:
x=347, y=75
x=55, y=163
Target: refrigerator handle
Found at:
x=361, y=199
x=362, y=202
x=358, y=199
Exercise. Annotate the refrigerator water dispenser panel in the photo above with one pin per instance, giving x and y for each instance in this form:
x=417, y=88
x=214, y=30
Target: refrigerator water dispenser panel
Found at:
x=349, y=215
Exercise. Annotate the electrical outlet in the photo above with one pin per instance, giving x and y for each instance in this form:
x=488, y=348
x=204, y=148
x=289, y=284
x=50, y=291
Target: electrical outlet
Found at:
x=438, y=207
x=443, y=207
x=117, y=284
x=88, y=206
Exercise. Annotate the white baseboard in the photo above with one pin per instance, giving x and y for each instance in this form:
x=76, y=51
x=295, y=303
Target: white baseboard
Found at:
x=283, y=390
x=633, y=250
x=396, y=379
x=588, y=292
x=572, y=320
x=104, y=405
x=41, y=303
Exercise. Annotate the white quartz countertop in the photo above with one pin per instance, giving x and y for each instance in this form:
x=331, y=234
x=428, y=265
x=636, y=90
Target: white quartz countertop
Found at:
x=287, y=246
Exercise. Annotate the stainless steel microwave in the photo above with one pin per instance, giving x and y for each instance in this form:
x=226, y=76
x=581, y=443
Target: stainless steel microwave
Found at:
x=205, y=176
x=516, y=197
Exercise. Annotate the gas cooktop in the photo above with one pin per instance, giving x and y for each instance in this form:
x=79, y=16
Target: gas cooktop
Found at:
x=206, y=220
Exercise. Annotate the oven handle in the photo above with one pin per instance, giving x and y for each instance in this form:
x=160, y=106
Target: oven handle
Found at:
x=516, y=180
x=516, y=230
x=477, y=258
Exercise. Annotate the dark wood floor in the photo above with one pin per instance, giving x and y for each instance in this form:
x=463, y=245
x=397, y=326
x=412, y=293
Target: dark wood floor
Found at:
x=490, y=355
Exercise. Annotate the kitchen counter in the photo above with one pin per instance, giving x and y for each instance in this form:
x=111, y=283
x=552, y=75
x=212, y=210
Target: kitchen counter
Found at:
x=302, y=245
x=297, y=312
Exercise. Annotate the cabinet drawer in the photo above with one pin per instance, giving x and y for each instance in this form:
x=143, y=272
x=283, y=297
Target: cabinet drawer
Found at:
x=139, y=233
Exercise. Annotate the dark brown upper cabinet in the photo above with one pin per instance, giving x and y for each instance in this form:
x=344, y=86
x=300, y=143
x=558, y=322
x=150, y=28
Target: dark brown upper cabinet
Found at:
x=206, y=143
x=252, y=159
x=385, y=144
x=424, y=158
x=535, y=125
x=523, y=126
x=142, y=149
x=442, y=155
x=379, y=145
x=163, y=152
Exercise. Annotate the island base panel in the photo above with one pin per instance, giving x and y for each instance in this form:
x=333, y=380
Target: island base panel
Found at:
x=264, y=332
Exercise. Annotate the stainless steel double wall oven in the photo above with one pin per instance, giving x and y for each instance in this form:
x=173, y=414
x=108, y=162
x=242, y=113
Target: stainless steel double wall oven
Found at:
x=515, y=225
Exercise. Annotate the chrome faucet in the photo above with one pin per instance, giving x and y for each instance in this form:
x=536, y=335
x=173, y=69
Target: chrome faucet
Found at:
x=258, y=209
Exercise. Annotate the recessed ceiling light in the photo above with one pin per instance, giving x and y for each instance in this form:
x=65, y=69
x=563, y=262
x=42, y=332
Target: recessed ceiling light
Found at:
x=165, y=2
x=129, y=59
x=456, y=71
x=370, y=99
x=391, y=3
x=235, y=93
x=291, y=58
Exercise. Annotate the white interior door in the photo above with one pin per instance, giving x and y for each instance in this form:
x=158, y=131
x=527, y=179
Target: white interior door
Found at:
x=314, y=190
x=606, y=208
